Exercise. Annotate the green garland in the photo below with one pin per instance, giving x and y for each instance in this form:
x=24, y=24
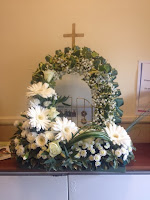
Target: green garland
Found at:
x=45, y=141
x=98, y=74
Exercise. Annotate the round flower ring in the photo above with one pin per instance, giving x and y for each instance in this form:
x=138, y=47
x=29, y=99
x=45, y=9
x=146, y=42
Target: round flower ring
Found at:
x=97, y=73
x=45, y=141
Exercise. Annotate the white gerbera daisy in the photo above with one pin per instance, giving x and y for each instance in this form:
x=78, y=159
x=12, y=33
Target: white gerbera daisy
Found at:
x=118, y=135
x=65, y=128
x=41, y=140
x=40, y=89
x=38, y=118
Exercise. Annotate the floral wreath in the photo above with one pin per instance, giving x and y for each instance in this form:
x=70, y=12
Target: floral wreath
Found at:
x=46, y=141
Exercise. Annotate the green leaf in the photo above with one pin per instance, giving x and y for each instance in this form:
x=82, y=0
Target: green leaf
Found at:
x=96, y=63
x=137, y=120
x=66, y=151
x=118, y=93
x=109, y=159
x=114, y=72
x=107, y=68
x=67, y=49
x=115, y=84
x=76, y=48
x=95, y=54
x=59, y=52
x=77, y=53
x=120, y=112
x=65, y=104
x=85, y=135
x=45, y=153
x=47, y=58
x=119, y=102
x=50, y=161
x=117, y=120
x=84, y=162
x=115, y=165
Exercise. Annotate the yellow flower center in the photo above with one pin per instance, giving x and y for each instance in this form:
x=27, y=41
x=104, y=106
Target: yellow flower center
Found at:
x=40, y=117
x=42, y=139
x=115, y=135
x=67, y=130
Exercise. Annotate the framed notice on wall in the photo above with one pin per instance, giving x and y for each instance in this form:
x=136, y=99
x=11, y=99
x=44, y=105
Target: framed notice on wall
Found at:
x=143, y=87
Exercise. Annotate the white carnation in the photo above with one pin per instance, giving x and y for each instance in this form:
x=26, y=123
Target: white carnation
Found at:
x=20, y=150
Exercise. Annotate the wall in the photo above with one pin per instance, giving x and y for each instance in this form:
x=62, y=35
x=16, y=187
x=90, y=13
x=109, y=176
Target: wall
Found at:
x=29, y=30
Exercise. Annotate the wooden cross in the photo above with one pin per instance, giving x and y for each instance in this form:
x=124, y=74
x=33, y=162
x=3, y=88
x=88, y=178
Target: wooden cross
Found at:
x=73, y=35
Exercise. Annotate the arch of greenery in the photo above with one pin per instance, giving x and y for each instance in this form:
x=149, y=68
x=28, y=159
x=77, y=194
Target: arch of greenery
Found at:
x=97, y=73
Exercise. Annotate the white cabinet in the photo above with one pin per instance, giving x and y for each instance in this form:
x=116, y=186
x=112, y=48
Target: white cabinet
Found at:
x=33, y=188
x=79, y=187
x=120, y=187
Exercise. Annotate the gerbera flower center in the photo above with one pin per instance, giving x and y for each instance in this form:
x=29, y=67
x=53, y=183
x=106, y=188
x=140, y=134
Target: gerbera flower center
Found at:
x=115, y=135
x=67, y=129
x=40, y=117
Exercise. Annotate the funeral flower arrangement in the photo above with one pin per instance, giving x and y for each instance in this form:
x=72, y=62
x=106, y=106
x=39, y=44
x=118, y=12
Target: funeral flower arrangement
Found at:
x=46, y=141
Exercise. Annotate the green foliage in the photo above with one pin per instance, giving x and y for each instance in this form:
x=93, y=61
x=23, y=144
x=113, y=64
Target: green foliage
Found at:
x=89, y=134
x=100, y=76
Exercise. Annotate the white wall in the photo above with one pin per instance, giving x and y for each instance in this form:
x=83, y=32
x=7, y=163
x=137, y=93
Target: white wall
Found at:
x=29, y=30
